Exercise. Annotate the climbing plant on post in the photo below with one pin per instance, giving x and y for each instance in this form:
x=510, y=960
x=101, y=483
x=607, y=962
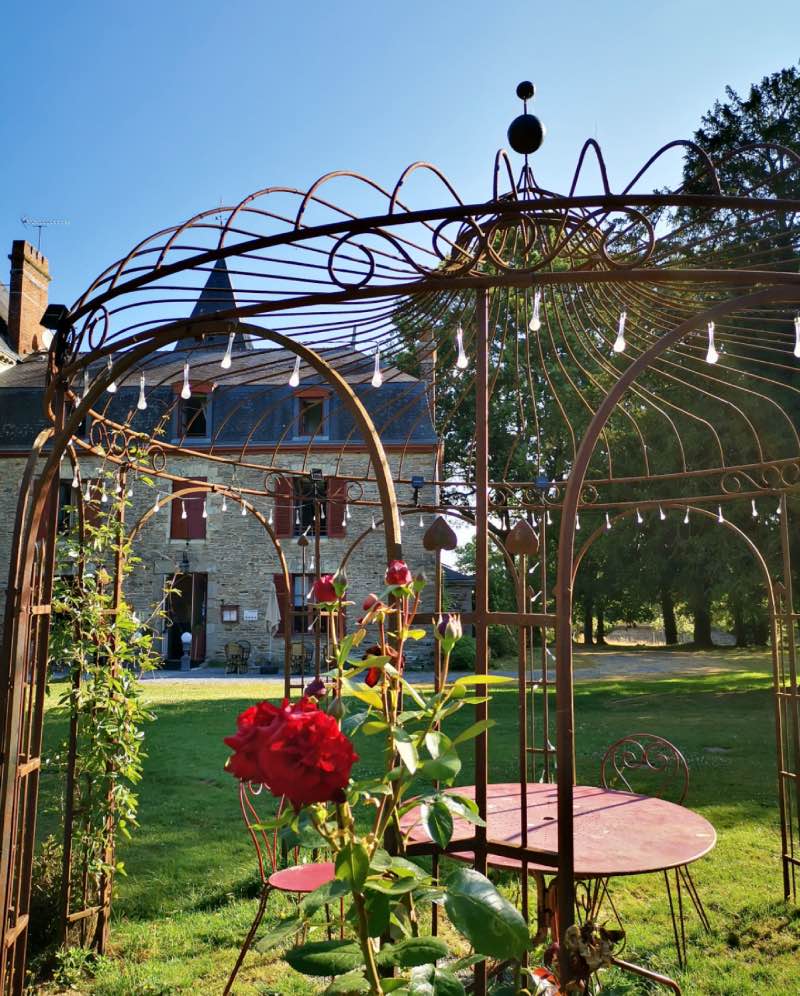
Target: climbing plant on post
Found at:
x=104, y=647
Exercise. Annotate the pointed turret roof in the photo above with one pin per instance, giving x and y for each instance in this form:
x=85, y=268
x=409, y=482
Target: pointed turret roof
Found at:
x=217, y=295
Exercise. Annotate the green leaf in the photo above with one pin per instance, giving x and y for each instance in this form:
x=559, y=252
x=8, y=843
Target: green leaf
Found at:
x=407, y=750
x=437, y=743
x=416, y=634
x=488, y=921
x=324, y=894
x=446, y=983
x=320, y=958
x=352, y=866
x=280, y=933
x=410, y=952
x=437, y=821
x=377, y=913
x=348, y=985
x=482, y=679
x=392, y=887
x=373, y=726
x=463, y=807
x=474, y=731
x=443, y=768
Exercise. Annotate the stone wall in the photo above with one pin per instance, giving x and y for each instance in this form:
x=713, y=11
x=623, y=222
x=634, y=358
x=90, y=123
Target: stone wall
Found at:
x=238, y=555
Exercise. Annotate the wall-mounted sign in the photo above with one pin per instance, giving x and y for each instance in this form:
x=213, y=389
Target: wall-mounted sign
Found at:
x=251, y=615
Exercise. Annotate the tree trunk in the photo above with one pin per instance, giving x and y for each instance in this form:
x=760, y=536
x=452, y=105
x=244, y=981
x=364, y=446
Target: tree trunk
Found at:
x=587, y=624
x=668, y=615
x=739, y=626
x=601, y=627
x=702, y=627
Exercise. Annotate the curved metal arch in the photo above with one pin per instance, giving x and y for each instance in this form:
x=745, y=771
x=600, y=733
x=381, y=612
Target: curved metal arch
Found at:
x=761, y=563
x=176, y=331
x=565, y=575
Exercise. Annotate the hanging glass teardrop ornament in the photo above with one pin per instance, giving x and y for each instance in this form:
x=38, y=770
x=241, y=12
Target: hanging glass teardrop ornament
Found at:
x=75, y=482
x=205, y=509
x=186, y=390
x=711, y=353
x=797, y=336
x=548, y=518
x=608, y=522
x=754, y=511
x=225, y=362
x=720, y=517
x=661, y=513
x=141, y=404
x=244, y=508
x=686, y=518
x=536, y=323
x=639, y=519
x=619, y=342
x=294, y=378
x=183, y=509
x=112, y=387
x=377, y=376
x=224, y=503
x=156, y=506
x=462, y=362
x=577, y=522
x=373, y=525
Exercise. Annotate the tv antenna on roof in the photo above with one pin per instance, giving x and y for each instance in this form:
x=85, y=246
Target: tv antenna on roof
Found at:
x=39, y=224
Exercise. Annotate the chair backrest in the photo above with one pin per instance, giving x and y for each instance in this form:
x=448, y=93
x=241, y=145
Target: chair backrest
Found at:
x=233, y=650
x=245, y=648
x=648, y=764
x=266, y=843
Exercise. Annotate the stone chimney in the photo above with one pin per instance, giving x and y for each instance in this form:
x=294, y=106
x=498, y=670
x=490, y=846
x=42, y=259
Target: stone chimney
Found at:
x=27, y=298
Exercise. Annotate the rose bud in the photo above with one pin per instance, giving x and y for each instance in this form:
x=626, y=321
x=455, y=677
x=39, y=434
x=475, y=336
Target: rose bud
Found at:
x=370, y=602
x=398, y=574
x=340, y=582
x=448, y=630
x=323, y=590
x=336, y=708
x=372, y=677
x=420, y=580
x=316, y=688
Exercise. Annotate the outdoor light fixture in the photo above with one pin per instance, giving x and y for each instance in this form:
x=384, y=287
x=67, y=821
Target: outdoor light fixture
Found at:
x=711, y=353
x=112, y=387
x=294, y=379
x=461, y=357
x=225, y=362
x=619, y=342
x=377, y=376
x=141, y=404
x=186, y=390
x=535, y=323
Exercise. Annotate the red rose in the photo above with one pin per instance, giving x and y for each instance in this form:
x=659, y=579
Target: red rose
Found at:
x=322, y=590
x=296, y=750
x=397, y=573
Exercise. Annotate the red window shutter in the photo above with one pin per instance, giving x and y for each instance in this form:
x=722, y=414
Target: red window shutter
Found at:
x=337, y=502
x=284, y=494
x=281, y=591
x=194, y=525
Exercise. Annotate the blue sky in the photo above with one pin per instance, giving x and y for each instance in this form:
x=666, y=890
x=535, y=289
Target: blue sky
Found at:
x=124, y=118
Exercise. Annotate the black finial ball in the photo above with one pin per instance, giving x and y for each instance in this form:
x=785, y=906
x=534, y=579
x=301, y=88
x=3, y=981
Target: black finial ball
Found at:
x=526, y=90
x=525, y=134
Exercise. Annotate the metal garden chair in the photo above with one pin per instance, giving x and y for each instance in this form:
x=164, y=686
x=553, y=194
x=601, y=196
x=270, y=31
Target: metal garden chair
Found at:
x=298, y=879
x=658, y=769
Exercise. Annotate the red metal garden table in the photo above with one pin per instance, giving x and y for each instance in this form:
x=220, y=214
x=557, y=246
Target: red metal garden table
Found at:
x=615, y=833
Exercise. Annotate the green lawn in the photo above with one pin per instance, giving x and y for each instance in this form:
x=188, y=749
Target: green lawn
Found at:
x=189, y=895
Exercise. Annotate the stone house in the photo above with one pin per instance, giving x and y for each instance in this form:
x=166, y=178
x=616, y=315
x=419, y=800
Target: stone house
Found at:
x=210, y=546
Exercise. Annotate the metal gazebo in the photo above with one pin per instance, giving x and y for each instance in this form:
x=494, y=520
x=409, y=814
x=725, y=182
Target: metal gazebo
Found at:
x=641, y=347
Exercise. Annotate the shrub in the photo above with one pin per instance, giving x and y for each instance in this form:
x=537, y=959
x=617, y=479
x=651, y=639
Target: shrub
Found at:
x=463, y=655
x=502, y=642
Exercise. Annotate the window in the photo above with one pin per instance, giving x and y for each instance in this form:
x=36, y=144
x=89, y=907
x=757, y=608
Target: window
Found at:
x=195, y=417
x=311, y=414
x=301, y=615
x=230, y=613
x=187, y=521
x=308, y=495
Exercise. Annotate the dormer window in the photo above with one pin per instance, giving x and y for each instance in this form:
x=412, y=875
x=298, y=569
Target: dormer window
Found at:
x=194, y=416
x=311, y=414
